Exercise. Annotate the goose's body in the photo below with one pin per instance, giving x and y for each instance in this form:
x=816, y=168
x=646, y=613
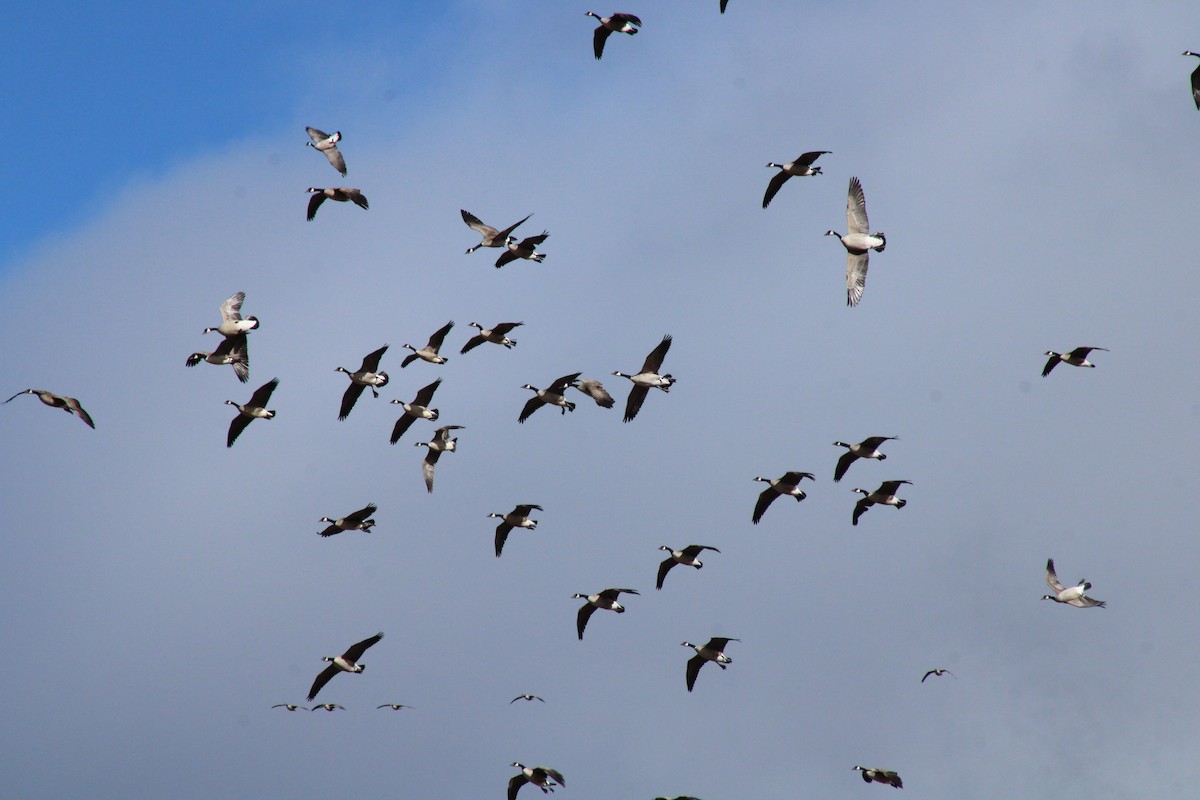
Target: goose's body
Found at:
x=529, y=697
x=1072, y=596
x=255, y=408
x=937, y=673
x=342, y=194
x=440, y=443
x=885, y=495
x=346, y=662
x=323, y=142
x=618, y=22
x=596, y=391
x=552, y=395
x=68, y=404
x=881, y=776
x=867, y=448
x=1195, y=79
x=417, y=409
x=232, y=351
x=787, y=484
x=526, y=248
x=1076, y=358
x=430, y=351
x=289, y=707
x=368, y=374
x=687, y=556
x=517, y=518
x=800, y=168
x=606, y=600
x=495, y=335
x=857, y=241
x=358, y=521
x=647, y=378
x=490, y=236
x=545, y=778
x=232, y=322
x=713, y=651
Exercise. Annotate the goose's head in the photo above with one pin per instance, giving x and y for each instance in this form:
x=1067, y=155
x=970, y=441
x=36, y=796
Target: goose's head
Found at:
x=230, y=403
x=1051, y=353
x=833, y=233
x=529, y=386
x=764, y=480
x=668, y=549
x=861, y=491
x=327, y=519
x=313, y=190
x=517, y=764
x=342, y=369
x=1049, y=597
x=474, y=325
x=1190, y=53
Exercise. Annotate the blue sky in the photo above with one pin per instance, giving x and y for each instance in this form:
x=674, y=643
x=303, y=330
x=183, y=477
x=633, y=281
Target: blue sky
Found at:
x=1034, y=171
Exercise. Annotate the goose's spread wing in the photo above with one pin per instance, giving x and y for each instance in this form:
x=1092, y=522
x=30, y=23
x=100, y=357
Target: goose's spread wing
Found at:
x=531, y=405
x=794, y=478
x=1196, y=86
x=236, y=427
x=654, y=361
x=428, y=466
x=806, y=159
x=506, y=257
x=335, y=158
x=425, y=395
x=777, y=181
x=873, y=442
x=693, y=669
x=504, y=327
x=514, y=785
x=263, y=393
x=843, y=464
x=637, y=395
x=502, y=235
x=435, y=341
x=401, y=426
x=891, y=487
x=1082, y=352
x=314, y=202
x=663, y=569
x=718, y=643
x=765, y=499
x=523, y=510
x=74, y=406
x=355, y=651
x=350, y=398
x=473, y=342
x=612, y=594
x=559, y=386
x=370, y=362
x=532, y=242
x=621, y=16
x=598, y=40
x=693, y=550
x=362, y=514
x=1052, y=578
x=231, y=309
x=476, y=224
x=584, y=615
x=323, y=678
x=856, y=208
x=316, y=134
x=856, y=276
x=1051, y=363
x=358, y=197
x=332, y=530
x=860, y=508
x=502, y=531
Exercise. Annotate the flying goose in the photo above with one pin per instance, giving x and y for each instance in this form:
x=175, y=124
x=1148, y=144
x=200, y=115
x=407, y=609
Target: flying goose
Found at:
x=801, y=167
x=880, y=776
x=617, y=23
x=255, y=408
x=684, y=796
x=596, y=391
x=857, y=242
x=867, y=448
x=440, y=443
x=646, y=378
x=1195, y=79
x=530, y=697
x=885, y=495
x=346, y=662
x=606, y=600
x=232, y=323
x=1073, y=596
x=324, y=143
x=430, y=351
x=232, y=351
x=542, y=777
x=939, y=672
x=495, y=335
x=289, y=706
x=68, y=404
x=392, y=706
x=714, y=651
x=517, y=518
x=1076, y=358
x=686, y=556
x=368, y=374
x=417, y=409
x=552, y=395
x=788, y=484
x=526, y=248
x=327, y=707
x=341, y=195
x=358, y=521
x=491, y=236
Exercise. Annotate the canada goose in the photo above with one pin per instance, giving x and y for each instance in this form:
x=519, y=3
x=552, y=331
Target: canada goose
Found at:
x=596, y=391
x=327, y=707
x=341, y=195
x=788, y=484
x=880, y=776
x=1076, y=358
x=495, y=335
x=289, y=706
x=552, y=395
x=417, y=409
x=867, y=448
x=232, y=323
x=232, y=351
x=491, y=236
x=255, y=408
x=714, y=651
x=346, y=662
x=440, y=443
x=857, y=242
x=540, y=777
x=801, y=167
x=1073, y=596
x=606, y=600
x=1195, y=79
x=322, y=142
x=646, y=378
x=517, y=518
x=684, y=796
x=392, y=706
x=885, y=495
x=617, y=23
x=68, y=404
x=368, y=374
x=939, y=672
x=526, y=248
x=358, y=521
x=430, y=351
x=686, y=556
x=525, y=697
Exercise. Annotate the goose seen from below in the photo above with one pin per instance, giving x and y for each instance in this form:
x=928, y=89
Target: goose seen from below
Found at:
x=867, y=448
x=885, y=495
x=596, y=391
x=358, y=521
x=517, y=518
x=255, y=408
x=490, y=236
x=528, y=697
x=687, y=556
x=526, y=248
x=1073, y=596
x=341, y=195
x=231, y=351
x=619, y=22
x=68, y=404
x=647, y=378
x=368, y=374
x=713, y=651
x=545, y=778
x=1076, y=358
x=606, y=599
x=800, y=168
x=1195, y=79
x=417, y=409
x=939, y=672
x=787, y=484
x=440, y=443
x=322, y=142
x=858, y=241
x=552, y=395
x=881, y=776
x=392, y=706
x=495, y=335
x=327, y=707
x=232, y=322
x=290, y=707
x=430, y=351
x=346, y=662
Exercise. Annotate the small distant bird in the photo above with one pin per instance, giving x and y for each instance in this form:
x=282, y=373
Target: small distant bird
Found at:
x=606, y=600
x=430, y=351
x=1073, y=596
x=857, y=242
x=289, y=707
x=346, y=662
x=867, y=448
x=68, y=404
x=684, y=796
x=324, y=143
x=881, y=776
x=392, y=706
x=545, y=778
x=801, y=167
x=440, y=443
x=517, y=518
x=885, y=495
x=341, y=195
x=788, y=484
x=232, y=323
x=495, y=335
x=231, y=351
x=552, y=395
x=937, y=673
x=596, y=391
x=255, y=408
x=714, y=651
x=491, y=236
x=647, y=378
x=327, y=707
x=1076, y=358
x=368, y=374
x=686, y=556
x=526, y=248
x=617, y=23
x=525, y=697
x=358, y=521
x=417, y=409
x=1195, y=79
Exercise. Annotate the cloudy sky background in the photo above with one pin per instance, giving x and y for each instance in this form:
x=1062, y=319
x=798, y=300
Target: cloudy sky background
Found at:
x=1035, y=171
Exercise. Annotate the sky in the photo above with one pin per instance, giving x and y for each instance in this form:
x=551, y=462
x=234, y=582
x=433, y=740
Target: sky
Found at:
x=1033, y=169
